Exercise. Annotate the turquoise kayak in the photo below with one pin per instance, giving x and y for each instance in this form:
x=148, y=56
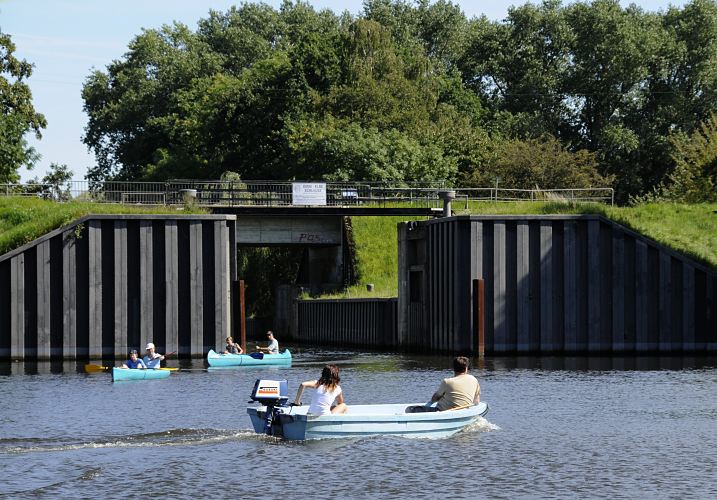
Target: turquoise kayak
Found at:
x=255, y=359
x=119, y=374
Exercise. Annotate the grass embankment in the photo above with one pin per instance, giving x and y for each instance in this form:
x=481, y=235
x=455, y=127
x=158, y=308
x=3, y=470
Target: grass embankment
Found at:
x=688, y=229
x=24, y=219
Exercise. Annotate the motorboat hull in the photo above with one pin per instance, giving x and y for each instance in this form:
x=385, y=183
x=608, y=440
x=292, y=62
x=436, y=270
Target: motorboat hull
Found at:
x=367, y=420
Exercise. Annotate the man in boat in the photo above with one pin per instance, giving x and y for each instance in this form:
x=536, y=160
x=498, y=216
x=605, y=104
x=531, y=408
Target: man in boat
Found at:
x=232, y=347
x=133, y=361
x=152, y=359
x=273, y=345
x=460, y=391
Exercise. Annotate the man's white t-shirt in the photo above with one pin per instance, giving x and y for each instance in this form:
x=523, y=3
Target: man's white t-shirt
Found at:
x=152, y=363
x=273, y=347
x=322, y=400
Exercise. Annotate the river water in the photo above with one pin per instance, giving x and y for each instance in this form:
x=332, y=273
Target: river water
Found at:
x=557, y=427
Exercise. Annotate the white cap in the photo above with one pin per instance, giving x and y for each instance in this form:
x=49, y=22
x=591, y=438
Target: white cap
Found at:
x=149, y=346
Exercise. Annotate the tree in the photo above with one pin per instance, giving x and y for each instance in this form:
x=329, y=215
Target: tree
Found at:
x=58, y=178
x=537, y=163
x=17, y=114
x=521, y=66
x=694, y=179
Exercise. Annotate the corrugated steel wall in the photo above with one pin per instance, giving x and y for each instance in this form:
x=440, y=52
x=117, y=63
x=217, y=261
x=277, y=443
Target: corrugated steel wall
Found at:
x=349, y=322
x=107, y=283
x=553, y=284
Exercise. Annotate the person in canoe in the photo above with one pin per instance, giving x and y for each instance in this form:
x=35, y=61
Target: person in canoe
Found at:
x=152, y=359
x=328, y=391
x=232, y=347
x=460, y=391
x=133, y=361
x=273, y=345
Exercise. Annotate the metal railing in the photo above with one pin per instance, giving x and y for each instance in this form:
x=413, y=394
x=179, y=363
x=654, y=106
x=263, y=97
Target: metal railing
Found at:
x=280, y=193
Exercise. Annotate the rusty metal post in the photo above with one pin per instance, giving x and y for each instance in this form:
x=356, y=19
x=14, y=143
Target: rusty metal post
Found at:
x=242, y=314
x=479, y=309
x=238, y=310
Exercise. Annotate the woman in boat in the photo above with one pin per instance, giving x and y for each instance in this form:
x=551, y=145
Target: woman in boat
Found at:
x=328, y=391
x=232, y=347
x=133, y=361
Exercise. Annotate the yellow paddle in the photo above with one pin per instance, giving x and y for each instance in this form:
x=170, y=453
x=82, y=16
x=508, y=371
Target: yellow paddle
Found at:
x=96, y=368
x=99, y=368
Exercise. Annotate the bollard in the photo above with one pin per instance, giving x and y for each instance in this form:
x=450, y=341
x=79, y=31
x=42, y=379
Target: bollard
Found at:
x=189, y=196
x=447, y=196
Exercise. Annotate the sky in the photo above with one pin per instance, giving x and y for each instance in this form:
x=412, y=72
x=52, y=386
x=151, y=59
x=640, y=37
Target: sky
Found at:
x=68, y=39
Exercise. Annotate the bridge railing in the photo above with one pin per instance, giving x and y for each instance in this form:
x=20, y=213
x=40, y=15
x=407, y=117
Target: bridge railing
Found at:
x=280, y=193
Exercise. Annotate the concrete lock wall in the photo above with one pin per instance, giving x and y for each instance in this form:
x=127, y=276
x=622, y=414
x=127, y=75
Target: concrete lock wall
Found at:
x=553, y=284
x=103, y=284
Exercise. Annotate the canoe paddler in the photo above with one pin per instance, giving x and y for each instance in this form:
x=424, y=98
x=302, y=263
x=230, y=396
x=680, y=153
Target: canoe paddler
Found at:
x=232, y=347
x=273, y=345
x=133, y=361
x=152, y=359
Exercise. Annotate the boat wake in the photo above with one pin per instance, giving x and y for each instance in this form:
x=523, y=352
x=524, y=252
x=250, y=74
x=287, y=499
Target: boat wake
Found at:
x=481, y=425
x=172, y=437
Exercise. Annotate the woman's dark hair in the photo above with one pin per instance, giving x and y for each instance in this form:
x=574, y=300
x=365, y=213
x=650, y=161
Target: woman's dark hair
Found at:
x=460, y=364
x=330, y=377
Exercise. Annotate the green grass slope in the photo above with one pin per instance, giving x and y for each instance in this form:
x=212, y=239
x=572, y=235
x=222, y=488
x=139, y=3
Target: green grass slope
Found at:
x=24, y=219
x=688, y=229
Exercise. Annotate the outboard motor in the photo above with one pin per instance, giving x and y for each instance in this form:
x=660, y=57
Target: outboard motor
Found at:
x=273, y=394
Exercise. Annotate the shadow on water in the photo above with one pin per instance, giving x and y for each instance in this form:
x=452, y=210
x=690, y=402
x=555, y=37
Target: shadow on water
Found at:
x=308, y=356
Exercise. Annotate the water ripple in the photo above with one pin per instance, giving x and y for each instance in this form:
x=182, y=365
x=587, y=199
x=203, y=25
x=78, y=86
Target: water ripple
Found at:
x=172, y=437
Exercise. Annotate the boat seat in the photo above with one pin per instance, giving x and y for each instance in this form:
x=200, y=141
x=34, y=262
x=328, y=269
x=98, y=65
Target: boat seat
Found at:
x=420, y=409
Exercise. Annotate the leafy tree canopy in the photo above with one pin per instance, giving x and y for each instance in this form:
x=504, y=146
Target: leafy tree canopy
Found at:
x=555, y=95
x=17, y=114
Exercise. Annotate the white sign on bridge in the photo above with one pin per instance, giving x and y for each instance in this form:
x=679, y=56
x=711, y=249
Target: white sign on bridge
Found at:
x=308, y=193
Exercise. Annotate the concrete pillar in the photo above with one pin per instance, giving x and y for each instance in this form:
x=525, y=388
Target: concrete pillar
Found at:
x=43, y=300
x=17, y=307
x=69, y=295
x=523, y=286
x=146, y=276
x=171, y=251
x=94, y=242
x=120, y=289
x=196, y=287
